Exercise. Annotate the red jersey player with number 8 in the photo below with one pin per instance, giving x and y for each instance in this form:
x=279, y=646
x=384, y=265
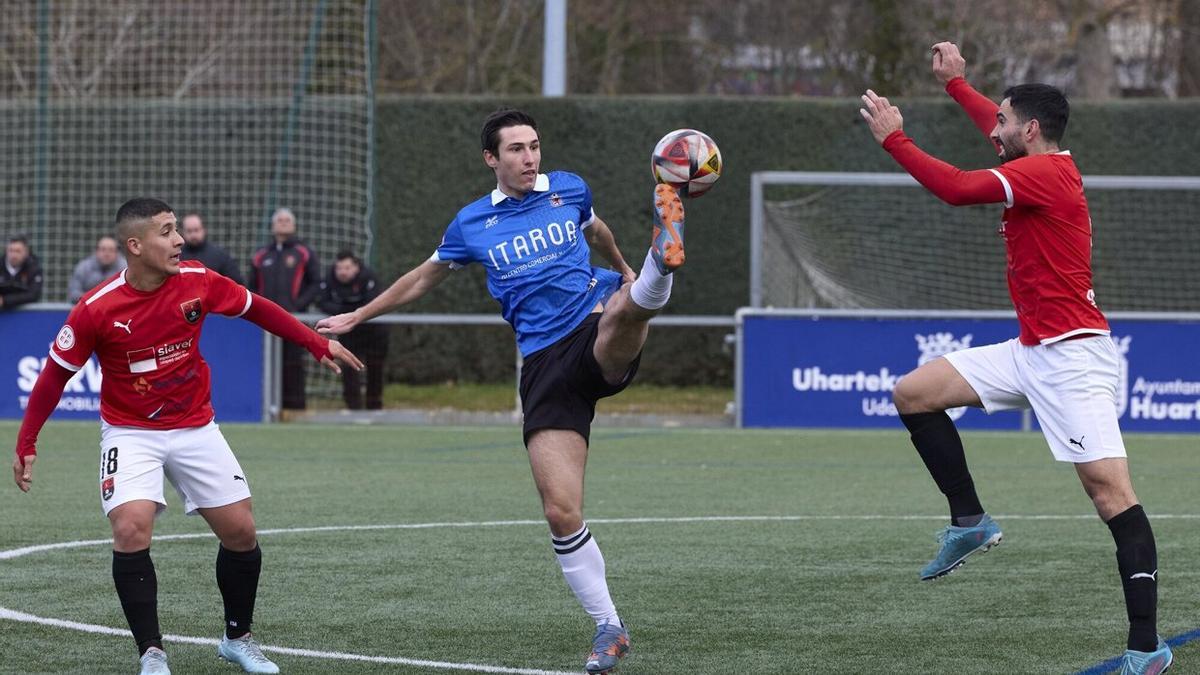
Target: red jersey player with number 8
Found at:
x=157, y=419
x=1063, y=365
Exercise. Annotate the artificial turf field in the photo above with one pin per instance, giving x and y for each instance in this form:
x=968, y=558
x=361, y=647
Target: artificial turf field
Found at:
x=751, y=552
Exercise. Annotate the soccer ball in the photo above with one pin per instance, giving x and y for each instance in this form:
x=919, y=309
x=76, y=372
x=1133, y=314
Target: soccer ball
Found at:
x=687, y=160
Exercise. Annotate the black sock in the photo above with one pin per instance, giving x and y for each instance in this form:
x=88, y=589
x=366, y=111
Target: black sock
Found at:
x=940, y=447
x=237, y=577
x=137, y=587
x=1137, y=560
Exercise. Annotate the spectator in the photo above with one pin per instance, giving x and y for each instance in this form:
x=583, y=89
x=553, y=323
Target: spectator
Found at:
x=21, y=275
x=89, y=272
x=197, y=247
x=287, y=271
x=350, y=285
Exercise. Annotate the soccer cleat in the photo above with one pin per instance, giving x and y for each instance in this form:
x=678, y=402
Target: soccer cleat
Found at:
x=960, y=542
x=1147, y=663
x=610, y=643
x=667, y=246
x=245, y=652
x=154, y=662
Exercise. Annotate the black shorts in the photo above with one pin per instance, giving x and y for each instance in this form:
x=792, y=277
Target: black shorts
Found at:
x=560, y=384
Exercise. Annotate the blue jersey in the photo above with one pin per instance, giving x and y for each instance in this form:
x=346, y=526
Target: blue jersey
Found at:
x=537, y=259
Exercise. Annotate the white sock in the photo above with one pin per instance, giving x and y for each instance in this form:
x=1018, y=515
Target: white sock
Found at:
x=652, y=288
x=583, y=567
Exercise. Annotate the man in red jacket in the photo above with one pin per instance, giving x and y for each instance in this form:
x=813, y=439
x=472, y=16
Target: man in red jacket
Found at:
x=1063, y=365
x=156, y=419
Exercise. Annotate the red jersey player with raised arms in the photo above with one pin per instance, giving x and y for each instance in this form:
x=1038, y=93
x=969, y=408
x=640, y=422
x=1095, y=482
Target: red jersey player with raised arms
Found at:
x=1064, y=364
x=157, y=419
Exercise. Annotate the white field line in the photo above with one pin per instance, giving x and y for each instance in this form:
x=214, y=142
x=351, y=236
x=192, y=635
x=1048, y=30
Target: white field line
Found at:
x=27, y=550
x=310, y=653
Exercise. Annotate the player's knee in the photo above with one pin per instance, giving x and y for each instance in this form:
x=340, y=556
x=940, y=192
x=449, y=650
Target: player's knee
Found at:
x=910, y=398
x=131, y=535
x=241, y=537
x=563, y=518
x=1111, y=500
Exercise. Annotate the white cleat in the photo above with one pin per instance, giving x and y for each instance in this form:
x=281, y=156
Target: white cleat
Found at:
x=246, y=653
x=154, y=662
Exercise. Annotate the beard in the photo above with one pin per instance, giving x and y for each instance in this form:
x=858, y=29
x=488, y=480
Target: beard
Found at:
x=1011, y=150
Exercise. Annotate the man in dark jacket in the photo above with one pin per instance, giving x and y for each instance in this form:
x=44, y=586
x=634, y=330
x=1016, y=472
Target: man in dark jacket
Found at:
x=287, y=272
x=350, y=285
x=196, y=246
x=20, y=275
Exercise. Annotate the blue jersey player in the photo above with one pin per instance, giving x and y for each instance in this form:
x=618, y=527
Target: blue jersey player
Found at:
x=579, y=328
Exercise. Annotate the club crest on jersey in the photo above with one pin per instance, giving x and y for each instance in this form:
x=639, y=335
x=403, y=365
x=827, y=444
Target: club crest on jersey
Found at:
x=555, y=200
x=191, y=310
x=936, y=345
x=141, y=386
x=108, y=487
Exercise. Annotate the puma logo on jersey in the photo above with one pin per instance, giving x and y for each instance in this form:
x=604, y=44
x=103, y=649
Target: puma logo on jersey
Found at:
x=1079, y=442
x=237, y=477
x=1142, y=575
x=118, y=324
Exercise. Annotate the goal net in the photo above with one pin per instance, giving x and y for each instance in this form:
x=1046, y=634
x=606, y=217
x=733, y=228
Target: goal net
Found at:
x=224, y=107
x=881, y=241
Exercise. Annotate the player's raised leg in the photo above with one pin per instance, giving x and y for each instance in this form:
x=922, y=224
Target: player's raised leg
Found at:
x=922, y=398
x=137, y=585
x=558, y=458
x=239, y=563
x=625, y=322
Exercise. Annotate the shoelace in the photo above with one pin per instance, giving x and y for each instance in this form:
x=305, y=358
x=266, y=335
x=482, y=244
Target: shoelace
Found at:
x=254, y=651
x=154, y=659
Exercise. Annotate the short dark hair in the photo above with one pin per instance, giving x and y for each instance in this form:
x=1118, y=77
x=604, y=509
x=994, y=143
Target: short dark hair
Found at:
x=504, y=117
x=18, y=239
x=133, y=212
x=1041, y=102
x=347, y=254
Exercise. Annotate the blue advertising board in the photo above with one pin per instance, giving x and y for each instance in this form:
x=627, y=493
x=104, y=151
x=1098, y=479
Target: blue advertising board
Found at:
x=233, y=349
x=837, y=369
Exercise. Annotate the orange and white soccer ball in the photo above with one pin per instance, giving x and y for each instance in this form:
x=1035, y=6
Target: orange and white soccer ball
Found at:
x=687, y=160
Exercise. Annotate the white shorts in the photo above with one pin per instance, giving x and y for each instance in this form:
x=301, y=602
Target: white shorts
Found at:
x=197, y=461
x=1071, y=386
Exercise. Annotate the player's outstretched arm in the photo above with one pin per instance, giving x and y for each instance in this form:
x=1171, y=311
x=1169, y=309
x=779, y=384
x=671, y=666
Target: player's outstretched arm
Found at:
x=42, y=400
x=950, y=68
x=413, y=285
x=600, y=238
x=275, y=319
x=945, y=181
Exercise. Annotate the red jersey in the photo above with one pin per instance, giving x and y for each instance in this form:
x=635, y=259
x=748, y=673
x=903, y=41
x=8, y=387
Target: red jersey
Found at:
x=1048, y=234
x=148, y=345
x=1046, y=226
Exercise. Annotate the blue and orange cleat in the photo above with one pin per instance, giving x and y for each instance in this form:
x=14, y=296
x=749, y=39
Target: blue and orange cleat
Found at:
x=960, y=542
x=667, y=246
x=610, y=644
x=1147, y=663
